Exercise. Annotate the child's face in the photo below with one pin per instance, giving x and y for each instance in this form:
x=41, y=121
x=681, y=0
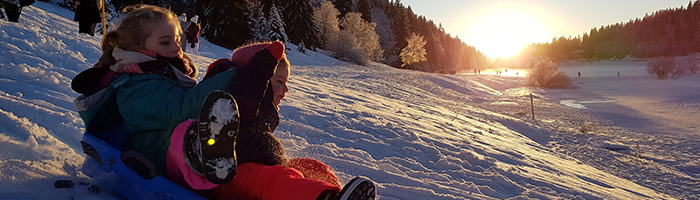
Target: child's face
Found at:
x=279, y=82
x=164, y=39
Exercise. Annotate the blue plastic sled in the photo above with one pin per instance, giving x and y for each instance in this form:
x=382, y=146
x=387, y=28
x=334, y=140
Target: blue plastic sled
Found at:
x=129, y=183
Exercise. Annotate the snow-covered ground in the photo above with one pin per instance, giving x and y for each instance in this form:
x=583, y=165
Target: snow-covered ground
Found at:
x=418, y=135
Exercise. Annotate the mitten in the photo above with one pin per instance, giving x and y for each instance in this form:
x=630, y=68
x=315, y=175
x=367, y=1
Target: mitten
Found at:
x=250, y=85
x=159, y=67
x=262, y=147
x=92, y=80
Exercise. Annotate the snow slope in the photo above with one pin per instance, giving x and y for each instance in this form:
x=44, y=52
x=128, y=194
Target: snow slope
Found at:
x=418, y=135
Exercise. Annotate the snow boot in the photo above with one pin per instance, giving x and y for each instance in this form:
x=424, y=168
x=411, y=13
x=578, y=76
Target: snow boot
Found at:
x=209, y=148
x=359, y=188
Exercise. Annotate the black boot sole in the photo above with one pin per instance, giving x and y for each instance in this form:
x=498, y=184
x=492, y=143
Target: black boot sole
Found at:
x=217, y=130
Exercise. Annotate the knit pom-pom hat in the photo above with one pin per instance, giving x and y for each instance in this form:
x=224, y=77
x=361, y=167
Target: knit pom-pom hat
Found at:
x=242, y=55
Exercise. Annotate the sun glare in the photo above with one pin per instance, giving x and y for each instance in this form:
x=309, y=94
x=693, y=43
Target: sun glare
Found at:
x=505, y=32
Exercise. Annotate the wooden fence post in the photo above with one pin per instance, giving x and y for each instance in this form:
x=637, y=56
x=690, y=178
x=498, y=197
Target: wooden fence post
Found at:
x=532, y=105
x=104, y=22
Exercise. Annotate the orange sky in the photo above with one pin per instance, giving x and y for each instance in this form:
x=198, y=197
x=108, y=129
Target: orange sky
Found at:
x=502, y=28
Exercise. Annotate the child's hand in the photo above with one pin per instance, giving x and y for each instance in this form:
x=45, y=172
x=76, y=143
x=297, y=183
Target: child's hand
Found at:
x=251, y=83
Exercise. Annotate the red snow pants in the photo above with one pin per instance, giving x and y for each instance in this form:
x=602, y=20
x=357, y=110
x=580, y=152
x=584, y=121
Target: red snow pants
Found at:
x=262, y=182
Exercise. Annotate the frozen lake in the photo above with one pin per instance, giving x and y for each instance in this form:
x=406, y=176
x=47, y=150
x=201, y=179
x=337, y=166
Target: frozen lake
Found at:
x=605, y=69
x=634, y=100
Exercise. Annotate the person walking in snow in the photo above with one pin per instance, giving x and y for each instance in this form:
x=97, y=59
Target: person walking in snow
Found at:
x=13, y=8
x=87, y=14
x=193, y=34
x=147, y=86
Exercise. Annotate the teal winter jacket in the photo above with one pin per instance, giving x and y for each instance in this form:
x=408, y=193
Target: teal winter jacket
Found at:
x=149, y=106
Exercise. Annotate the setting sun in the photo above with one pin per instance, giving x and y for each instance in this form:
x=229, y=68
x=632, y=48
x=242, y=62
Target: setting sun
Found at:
x=503, y=32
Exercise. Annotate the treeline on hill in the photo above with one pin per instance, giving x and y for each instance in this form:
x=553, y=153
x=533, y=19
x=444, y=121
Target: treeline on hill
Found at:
x=669, y=32
x=353, y=30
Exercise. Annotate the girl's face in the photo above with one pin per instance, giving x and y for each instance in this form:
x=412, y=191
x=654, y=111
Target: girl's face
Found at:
x=279, y=82
x=164, y=39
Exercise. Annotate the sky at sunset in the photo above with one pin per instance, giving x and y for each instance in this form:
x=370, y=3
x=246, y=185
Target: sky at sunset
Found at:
x=490, y=25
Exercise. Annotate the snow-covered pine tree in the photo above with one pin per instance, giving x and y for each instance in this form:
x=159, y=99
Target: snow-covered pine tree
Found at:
x=268, y=4
x=225, y=23
x=277, y=25
x=301, y=47
x=386, y=35
x=401, y=18
x=258, y=23
x=301, y=26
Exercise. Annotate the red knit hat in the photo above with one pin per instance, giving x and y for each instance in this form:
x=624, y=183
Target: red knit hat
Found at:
x=242, y=55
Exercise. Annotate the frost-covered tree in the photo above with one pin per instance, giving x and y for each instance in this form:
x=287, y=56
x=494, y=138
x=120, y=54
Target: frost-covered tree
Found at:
x=342, y=45
x=414, y=52
x=386, y=35
x=546, y=74
x=258, y=23
x=326, y=17
x=301, y=27
x=277, y=25
x=661, y=66
x=366, y=39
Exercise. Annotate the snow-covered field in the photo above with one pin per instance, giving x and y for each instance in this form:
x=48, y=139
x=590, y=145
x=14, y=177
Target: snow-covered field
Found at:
x=418, y=135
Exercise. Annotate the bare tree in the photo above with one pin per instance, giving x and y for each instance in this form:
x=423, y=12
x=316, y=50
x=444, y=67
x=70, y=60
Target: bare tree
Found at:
x=685, y=65
x=661, y=66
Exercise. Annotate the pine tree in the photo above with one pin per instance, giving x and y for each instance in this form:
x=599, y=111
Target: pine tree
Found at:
x=386, y=35
x=364, y=7
x=225, y=23
x=277, y=25
x=343, y=6
x=301, y=26
x=259, y=24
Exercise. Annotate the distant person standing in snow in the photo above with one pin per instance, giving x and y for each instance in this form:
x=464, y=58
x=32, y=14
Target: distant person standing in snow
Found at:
x=193, y=34
x=87, y=14
x=183, y=26
x=13, y=8
x=579, y=74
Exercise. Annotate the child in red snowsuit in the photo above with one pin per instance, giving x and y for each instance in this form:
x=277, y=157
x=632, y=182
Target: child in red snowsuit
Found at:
x=263, y=172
